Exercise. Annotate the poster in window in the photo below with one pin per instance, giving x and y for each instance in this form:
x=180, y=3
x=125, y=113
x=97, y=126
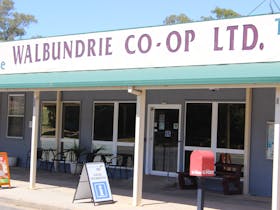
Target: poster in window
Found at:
x=269, y=140
x=161, y=122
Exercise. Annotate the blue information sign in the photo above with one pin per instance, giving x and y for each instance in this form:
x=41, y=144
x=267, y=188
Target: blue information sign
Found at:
x=99, y=183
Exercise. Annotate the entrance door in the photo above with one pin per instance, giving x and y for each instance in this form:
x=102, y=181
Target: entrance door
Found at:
x=164, y=132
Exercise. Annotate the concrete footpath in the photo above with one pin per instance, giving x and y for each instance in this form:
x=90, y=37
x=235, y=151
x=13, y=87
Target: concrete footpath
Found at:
x=56, y=191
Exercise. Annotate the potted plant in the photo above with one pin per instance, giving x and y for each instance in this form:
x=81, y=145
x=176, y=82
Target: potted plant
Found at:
x=75, y=163
x=94, y=153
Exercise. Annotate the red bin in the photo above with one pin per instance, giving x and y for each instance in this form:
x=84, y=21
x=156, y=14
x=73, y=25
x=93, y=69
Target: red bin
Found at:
x=202, y=163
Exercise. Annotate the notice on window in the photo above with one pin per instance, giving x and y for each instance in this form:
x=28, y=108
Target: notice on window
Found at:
x=270, y=140
x=4, y=169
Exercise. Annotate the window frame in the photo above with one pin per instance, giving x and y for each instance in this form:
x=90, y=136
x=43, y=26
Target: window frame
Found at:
x=114, y=143
x=22, y=116
x=214, y=130
x=61, y=126
x=61, y=114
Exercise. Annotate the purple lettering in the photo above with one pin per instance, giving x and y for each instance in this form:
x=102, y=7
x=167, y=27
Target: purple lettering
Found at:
x=80, y=48
x=18, y=54
x=178, y=39
x=189, y=39
x=231, y=29
x=253, y=28
x=100, y=46
x=91, y=44
x=28, y=54
x=56, y=57
x=216, y=40
x=46, y=52
x=108, y=45
x=67, y=49
x=140, y=43
x=127, y=43
x=37, y=59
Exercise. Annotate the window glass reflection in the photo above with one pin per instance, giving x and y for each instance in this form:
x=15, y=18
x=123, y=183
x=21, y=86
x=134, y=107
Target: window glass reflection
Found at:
x=126, y=122
x=198, y=124
x=103, y=121
x=231, y=122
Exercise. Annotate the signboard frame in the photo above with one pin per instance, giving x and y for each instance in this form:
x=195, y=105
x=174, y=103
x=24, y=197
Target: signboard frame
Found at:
x=4, y=170
x=236, y=40
x=94, y=184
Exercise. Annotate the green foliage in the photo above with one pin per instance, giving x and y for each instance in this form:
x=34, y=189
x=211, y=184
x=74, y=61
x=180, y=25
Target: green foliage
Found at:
x=174, y=19
x=77, y=151
x=13, y=24
x=95, y=150
x=219, y=13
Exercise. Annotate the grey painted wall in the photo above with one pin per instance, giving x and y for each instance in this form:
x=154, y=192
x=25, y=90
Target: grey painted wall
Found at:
x=260, y=167
x=16, y=147
x=263, y=111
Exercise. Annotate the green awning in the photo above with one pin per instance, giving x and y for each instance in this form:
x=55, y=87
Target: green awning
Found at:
x=252, y=73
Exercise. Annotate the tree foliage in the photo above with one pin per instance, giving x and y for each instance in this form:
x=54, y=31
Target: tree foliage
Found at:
x=219, y=13
x=12, y=23
x=174, y=19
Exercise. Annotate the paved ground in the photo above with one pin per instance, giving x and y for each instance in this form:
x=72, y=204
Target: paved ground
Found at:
x=56, y=190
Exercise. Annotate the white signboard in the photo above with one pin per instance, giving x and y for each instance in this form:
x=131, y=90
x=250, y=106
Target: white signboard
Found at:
x=98, y=181
x=239, y=40
x=94, y=183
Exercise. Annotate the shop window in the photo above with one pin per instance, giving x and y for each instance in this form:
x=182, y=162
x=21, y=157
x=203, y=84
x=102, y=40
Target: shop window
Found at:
x=217, y=125
x=126, y=122
x=70, y=125
x=103, y=121
x=114, y=131
x=16, y=104
x=198, y=124
x=71, y=120
x=231, y=122
x=48, y=120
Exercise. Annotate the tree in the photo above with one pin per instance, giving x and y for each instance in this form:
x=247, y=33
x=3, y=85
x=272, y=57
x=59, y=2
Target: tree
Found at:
x=13, y=24
x=174, y=19
x=220, y=13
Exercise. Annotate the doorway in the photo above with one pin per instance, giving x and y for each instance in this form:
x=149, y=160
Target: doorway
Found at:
x=163, y=139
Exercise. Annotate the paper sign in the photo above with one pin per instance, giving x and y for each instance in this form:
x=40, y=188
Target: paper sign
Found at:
x=4, y=169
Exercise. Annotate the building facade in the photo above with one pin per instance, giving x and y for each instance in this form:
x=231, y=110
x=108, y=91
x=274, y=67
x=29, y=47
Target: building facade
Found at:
x=208, y=85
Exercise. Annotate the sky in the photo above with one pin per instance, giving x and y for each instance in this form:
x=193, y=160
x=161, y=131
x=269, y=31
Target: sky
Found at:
x=60, y=17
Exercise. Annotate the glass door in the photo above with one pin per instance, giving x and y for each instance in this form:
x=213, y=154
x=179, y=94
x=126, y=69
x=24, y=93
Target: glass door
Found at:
x=165, y=129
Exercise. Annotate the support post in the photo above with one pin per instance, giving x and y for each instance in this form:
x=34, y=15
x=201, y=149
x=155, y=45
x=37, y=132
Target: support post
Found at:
x=139, y=148
x=58, y=124
x=276, y=155
x=247, y=139
x=34, y=139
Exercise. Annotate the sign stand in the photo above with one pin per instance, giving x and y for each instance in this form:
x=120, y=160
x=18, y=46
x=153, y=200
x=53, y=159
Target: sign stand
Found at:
x=200, y=193
x=4, y=170
x=94, y=184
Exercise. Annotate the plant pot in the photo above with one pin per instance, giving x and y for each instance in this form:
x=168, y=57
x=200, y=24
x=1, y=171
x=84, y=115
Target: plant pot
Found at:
x=76, y=168
x=12, y=161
